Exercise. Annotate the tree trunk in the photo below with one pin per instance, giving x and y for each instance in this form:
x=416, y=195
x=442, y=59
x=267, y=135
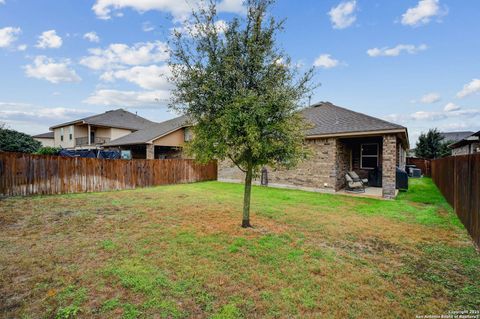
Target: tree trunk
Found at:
x=246, y=198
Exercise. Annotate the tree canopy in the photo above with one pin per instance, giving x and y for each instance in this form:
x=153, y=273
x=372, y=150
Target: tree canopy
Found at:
x=241, y=90
x=13, y=141
x=432, y=145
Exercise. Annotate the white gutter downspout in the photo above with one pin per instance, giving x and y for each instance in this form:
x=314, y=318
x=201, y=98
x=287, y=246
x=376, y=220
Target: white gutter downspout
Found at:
x=89, y=136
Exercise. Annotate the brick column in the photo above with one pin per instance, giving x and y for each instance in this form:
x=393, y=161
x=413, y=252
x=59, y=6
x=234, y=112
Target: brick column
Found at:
x=150, y=151
x=342, y=164
x=388, y=165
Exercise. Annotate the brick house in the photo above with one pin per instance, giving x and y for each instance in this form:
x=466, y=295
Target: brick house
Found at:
x=341, y=140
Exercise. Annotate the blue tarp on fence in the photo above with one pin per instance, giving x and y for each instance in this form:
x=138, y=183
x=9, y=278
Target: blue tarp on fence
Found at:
x=90, y=154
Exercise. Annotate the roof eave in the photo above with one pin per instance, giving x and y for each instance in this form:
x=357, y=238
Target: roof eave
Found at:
x=165, y=134
x=358, y=133
x=365, y=134
x=51, y=128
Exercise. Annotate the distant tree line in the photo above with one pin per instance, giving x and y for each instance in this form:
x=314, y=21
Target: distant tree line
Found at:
x=432, y=145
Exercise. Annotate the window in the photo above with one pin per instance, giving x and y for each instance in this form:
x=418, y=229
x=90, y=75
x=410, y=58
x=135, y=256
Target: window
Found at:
x=126, y=154
x=61, y=134
x=369, y=156
x=70, y=133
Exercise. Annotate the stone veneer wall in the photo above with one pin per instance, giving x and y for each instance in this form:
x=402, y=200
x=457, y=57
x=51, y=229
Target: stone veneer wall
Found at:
x=319, y=171
x=389, y=164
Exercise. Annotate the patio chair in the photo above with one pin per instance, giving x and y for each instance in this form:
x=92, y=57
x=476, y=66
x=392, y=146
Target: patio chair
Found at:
x=357, y=178
x=353, y=186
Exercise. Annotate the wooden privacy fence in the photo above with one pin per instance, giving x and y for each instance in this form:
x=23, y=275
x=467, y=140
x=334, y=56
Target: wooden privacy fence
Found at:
x=458, y=178
x=26, y=174
x=421, y=163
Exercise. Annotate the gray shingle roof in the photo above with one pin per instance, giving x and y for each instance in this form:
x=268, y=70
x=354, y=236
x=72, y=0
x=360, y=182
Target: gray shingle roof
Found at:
x=455, y=136
x=115, y=118
x=327, y=118
x=45, y=135
x=470, y=138
x=151, y=132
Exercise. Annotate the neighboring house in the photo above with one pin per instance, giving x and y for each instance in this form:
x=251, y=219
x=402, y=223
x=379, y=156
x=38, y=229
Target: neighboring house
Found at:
x=94, y=131
x=468, y=145
x=46, y=139
x=157, y=141
x=447, y=137
x=341, y=140
x=453, y=137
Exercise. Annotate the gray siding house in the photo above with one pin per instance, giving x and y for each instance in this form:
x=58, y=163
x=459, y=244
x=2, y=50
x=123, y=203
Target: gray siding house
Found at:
x=468, y=145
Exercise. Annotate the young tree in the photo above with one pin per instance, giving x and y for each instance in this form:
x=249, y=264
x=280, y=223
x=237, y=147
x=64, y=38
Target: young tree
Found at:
x=240, y=90
x=431, y=145
x=13, y=141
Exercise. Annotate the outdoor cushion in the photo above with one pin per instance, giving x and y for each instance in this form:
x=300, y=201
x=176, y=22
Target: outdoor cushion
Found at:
x=355, y=184
x=355, y=177
x=348, y=178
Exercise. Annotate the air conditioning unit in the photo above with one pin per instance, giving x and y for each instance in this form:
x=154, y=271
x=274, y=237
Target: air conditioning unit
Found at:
x=416, y=172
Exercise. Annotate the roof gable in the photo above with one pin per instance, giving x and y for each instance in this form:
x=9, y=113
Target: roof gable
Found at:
x=152, y=132
x=115, y=118
x=455, y=136
x=470, y=138
x=44, y=135
x=328, y=119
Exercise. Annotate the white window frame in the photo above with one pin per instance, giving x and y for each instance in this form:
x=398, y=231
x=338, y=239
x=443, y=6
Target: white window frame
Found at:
x=362, y=156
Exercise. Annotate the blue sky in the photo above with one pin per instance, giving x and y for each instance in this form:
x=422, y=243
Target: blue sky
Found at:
x=413, y=62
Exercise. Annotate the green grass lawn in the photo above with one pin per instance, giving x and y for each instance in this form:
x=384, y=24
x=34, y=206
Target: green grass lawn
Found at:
x=178, y=252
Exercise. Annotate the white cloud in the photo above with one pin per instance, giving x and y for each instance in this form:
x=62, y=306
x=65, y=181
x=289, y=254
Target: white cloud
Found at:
x=343, y=15
x=91, y=36
x=137, y=99
x=325, y=61
x=2, y=1
x=50, y=70
x=151, y=77
x=19, y=110
x=193, y=29
x=427, y=115
x=118, y=55
x=470, y=88
x=449, y=107
x=397, y=50
x=22, y=47
x=8, y=35
x=234, y=6
x=49, y=39
x=147, y=26
x=179, y=9
x=35, y=119
x=448, y=113
x=422, y=13
x=430, y=98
